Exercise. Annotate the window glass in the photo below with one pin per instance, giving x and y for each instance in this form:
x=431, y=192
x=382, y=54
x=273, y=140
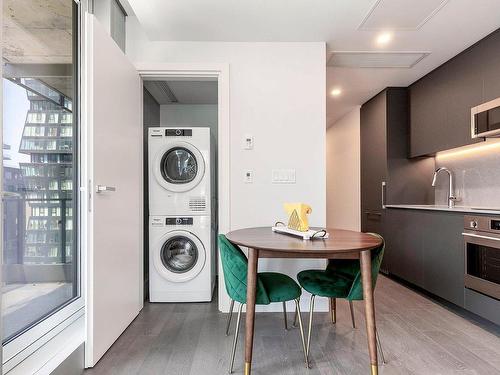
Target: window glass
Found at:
x=53, y=118
x=66, y=131
x=118, y=27
x=39, y=229
x=35, y=118
x=52, y=132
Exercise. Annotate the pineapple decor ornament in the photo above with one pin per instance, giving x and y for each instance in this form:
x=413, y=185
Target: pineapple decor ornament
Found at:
x=297, y=213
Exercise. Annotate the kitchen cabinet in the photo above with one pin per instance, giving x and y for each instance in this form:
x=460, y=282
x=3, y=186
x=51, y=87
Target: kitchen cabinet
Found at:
x=404, y=255
x=384, y=151
x=491, y=70
x=425, y=248
x=440, y=102
x=373, y=163
x=384, y=159
x=443, y=254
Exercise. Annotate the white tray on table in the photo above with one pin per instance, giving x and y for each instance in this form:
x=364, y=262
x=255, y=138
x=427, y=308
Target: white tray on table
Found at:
x=304, y=235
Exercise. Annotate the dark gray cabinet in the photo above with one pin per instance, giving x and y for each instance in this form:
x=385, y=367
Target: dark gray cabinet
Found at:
x=443, y=254
x=440, y=102
x=384, y=159
x=491, y=68
x=425, y=248
x=404, y=256
x=373, y=162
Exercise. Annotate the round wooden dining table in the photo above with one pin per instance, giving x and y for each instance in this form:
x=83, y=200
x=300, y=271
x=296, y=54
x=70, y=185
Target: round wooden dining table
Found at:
x=262, y=242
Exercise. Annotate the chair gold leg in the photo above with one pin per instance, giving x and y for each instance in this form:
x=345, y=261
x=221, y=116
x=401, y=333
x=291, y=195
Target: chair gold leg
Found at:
x=284, y=316
x=352, y=314
x=311, y=311
x=379, y=344
x=235, y=341
x=229, y=317
x=333, y=309
x=294, y=324
x=301, y=327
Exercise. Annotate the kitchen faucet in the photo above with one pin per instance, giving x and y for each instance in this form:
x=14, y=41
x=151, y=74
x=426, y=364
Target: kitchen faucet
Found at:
x=451, y=197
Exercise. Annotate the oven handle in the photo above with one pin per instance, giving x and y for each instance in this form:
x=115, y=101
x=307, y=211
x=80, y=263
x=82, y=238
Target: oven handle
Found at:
x=479, y=236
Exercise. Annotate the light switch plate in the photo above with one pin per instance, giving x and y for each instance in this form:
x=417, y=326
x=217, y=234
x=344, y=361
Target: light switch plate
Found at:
x=248, y=142
x=248, y=176
x=283, y=176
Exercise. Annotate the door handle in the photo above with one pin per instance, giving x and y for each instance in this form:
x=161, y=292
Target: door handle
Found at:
x=369, y=213
x=384, y=184
x=104, y=188
x=479, y=236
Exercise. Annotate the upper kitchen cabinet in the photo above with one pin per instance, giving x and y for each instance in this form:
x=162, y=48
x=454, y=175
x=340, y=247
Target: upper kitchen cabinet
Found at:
x=491, y=72
x=440, y=102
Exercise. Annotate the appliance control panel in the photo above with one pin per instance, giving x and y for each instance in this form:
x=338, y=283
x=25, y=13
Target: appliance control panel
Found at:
x=179, y=221
x=495, y=224
x=473, y=224
x=178, y=132
x=482, y=223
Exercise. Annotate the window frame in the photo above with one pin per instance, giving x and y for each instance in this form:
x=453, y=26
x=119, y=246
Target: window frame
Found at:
x=35, y=336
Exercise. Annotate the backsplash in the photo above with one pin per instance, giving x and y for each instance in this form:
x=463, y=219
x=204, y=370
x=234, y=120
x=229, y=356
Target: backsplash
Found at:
x=477, y=176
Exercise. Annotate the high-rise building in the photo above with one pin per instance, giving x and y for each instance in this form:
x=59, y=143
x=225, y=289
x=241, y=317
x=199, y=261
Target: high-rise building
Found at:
x=13, y=207
x=48, y=176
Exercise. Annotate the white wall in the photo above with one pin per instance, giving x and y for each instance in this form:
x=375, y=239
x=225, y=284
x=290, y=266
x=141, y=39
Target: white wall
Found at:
x=277, y=94
x=194, y=114
x=343, y=195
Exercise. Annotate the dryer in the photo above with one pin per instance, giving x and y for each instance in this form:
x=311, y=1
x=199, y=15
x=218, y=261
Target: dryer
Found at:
x=179, y=171
x=181, y=259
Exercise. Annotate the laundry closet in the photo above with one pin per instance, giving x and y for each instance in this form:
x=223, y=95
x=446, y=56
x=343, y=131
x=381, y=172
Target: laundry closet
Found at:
x=180, y=189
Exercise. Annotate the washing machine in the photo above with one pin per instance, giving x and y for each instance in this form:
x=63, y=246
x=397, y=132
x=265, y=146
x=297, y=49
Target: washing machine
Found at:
x=181, y=259
x=179, y=171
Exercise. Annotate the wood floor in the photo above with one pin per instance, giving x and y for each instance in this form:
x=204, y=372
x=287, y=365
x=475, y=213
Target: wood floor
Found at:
x=418, y=336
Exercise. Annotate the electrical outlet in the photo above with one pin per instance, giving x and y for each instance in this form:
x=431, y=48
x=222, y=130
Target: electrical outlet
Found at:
x=283, y=176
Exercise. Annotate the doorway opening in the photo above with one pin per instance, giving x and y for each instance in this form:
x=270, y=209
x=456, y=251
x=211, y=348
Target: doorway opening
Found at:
x=181, y=192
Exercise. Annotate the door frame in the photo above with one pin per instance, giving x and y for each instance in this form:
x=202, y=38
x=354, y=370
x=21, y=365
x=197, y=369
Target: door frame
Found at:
x=221, y=73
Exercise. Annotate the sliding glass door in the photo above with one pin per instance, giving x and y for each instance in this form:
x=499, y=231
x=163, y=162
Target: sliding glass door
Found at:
x=40, y=256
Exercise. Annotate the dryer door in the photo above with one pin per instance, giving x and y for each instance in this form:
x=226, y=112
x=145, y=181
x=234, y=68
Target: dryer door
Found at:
x=179, y=167
x=179, y=256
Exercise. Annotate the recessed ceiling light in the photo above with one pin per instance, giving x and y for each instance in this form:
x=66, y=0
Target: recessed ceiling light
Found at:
x=336, y=91
x=384, y=38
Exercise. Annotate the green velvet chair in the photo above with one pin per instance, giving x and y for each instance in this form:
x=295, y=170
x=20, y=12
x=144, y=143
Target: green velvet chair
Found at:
x=271, y=287
x=341, y=279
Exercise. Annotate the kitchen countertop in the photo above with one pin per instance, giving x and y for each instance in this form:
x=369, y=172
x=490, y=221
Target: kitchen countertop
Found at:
x=462, y=209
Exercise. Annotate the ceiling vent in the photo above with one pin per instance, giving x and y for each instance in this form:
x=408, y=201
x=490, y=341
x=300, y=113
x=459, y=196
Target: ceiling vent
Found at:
x=401, y=14
x=370, y=59
x=161, y=92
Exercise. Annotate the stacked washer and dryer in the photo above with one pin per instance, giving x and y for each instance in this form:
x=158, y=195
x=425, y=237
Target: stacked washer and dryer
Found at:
x=181, y=251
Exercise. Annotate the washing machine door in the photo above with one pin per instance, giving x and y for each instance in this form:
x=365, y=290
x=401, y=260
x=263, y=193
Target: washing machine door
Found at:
x=179, y=256
x=179, y=167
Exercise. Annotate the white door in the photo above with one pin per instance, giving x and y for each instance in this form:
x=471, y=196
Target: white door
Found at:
x=114, y=263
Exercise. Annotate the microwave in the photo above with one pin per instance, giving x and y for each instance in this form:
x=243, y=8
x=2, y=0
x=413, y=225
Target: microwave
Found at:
x=485, y=119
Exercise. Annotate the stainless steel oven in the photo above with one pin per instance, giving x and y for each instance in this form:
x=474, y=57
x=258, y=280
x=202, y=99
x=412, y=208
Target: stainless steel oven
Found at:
x=485, y=119
x=482, y=255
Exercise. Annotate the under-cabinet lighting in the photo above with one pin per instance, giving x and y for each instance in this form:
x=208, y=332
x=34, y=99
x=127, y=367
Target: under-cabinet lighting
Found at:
x=469, y=150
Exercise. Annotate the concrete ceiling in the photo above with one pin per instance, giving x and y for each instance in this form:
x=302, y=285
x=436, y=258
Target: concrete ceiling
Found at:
x=443, y=28
x=37, y=31
x=37, y=41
